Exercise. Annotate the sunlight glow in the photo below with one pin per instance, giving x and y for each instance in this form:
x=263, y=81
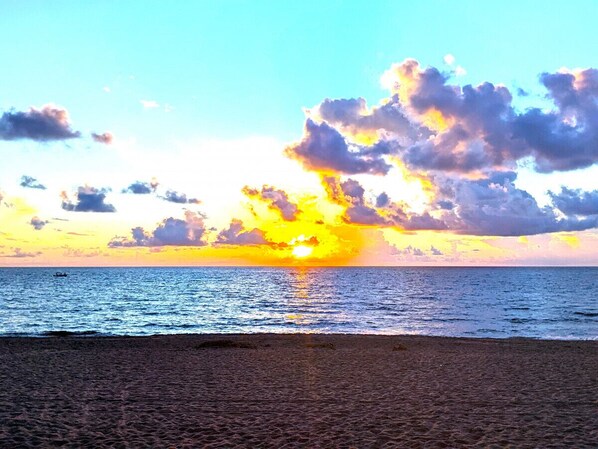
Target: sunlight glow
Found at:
x=302, y=251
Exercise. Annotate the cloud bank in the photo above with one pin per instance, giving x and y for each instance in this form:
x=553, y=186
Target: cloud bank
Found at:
x=466, y=141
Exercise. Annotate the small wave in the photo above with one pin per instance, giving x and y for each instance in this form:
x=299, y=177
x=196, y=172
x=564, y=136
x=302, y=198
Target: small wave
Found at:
x=591, y=314
x=521, y=320
x=61, y=333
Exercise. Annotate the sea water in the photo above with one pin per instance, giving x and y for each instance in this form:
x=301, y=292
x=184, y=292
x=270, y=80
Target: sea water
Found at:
x=560, y=303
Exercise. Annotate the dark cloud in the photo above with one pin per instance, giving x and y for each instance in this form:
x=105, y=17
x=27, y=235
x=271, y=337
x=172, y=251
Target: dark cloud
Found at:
x=435, y=251
x=567, y=137
x=170, y=232
x=410, y=251
x=276, y=199
x=494, y=206
x=382, y=200
x=324, y=149
x=236, y=234
x=466, y=140
x=354, y=116
x=490, y=206
x=87, y=199
x=444, y=204
x=434, y=125
x=350, y=194
x=142, y=188
x=105, y=138
x=31, y=183
x=37, y=223
x=477, y=130
x=179, y=198
x=45, y=124
x=575, y=201
x=358, y=210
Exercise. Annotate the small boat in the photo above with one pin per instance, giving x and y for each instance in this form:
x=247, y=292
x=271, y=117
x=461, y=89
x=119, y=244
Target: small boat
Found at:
x=60, y=274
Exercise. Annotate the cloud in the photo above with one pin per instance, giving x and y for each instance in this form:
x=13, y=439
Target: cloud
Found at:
x=449, y=59
x=460, y=71
x=31, y=183
x=37, y=223
x=149, y=104
x=457, y=70
x=19, y=253
x=142, y=188
x=465, y=141
x=236, y=234
x=575, y=202
x=170, y=232
x=486, y=206
x=435, y=251
x=565, y=138
x=477, y=127
x=494, y=206
x=87, y=199
x=382, y=200
x=48, y=123
x=276, y=199
x=71, y=252
x=324, y=149
x=179, y=198
x=354, y=118
x=410, y=251
x=105, y=138
x=351, y=195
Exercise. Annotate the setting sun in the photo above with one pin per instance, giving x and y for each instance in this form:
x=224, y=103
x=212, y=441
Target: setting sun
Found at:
x=302, y=251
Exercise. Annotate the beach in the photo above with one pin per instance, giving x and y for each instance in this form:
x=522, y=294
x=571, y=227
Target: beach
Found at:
x=297, y=391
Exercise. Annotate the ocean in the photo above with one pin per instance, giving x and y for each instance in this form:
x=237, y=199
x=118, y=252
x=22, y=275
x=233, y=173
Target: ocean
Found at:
x=551, y=303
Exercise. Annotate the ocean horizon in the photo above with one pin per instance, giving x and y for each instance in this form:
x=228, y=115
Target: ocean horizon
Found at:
x=489, y=302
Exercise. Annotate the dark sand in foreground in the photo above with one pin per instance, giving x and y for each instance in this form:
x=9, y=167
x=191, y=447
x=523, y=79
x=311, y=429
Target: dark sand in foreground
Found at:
x=312, y=391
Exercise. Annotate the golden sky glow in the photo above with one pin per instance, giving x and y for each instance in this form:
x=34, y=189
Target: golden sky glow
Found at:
x=429, y=175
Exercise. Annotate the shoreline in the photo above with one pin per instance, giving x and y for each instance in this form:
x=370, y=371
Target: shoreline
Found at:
x=89, y=334
x=297, y=390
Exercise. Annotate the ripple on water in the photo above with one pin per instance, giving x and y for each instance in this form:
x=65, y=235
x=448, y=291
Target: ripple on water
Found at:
x=484, y=302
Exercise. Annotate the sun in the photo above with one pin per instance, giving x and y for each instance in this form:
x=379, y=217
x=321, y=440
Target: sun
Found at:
x=301, y=251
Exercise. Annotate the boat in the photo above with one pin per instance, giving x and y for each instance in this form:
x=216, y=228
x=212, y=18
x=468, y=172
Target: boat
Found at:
x=60, y=274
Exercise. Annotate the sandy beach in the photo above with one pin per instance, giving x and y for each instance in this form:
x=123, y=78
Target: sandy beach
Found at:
x=297, y=391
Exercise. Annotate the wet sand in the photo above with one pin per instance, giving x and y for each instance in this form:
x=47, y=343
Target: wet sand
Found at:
x=297, y=391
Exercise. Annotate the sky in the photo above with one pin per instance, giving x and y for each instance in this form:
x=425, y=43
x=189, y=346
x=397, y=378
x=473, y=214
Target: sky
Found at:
x=136, y=133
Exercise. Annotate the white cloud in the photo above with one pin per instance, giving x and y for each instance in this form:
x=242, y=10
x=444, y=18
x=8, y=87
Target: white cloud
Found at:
x=149, y=104
x=449, y=59
x=460, y=71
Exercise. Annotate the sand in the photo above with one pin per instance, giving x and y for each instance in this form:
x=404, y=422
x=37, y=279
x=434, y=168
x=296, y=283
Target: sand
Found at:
x=297, y=391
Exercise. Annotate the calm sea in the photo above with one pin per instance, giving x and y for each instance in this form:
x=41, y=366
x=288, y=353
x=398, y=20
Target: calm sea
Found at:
x=557, y=303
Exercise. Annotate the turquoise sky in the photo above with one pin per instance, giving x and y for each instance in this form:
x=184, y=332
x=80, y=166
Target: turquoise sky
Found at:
x=236, y=68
